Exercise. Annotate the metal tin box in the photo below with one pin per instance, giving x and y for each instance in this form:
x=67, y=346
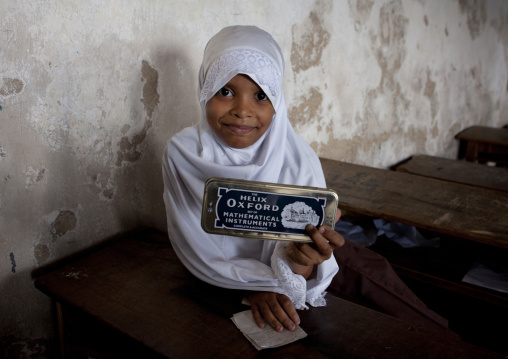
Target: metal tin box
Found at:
x=265, y=210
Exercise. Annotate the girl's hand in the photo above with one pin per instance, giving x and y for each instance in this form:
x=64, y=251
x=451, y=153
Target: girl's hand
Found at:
x=304, y=256
x=276, y=309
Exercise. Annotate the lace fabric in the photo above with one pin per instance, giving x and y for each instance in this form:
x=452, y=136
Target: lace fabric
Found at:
x=246, y=61
x=292, y=285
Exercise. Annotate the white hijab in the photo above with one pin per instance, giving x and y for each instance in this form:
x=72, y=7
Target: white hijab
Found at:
x=280, y=156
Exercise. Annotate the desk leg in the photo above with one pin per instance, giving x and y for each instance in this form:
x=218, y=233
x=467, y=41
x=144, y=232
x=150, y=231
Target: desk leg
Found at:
x=59, y=317
x=472, y=151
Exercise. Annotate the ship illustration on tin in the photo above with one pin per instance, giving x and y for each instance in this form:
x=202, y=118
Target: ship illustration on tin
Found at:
x=298, y=215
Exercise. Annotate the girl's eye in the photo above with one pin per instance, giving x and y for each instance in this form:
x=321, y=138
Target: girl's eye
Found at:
x=261, y=96
x=225, y=92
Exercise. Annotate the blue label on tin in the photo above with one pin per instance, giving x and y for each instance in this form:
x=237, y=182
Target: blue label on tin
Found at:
x=267, y=212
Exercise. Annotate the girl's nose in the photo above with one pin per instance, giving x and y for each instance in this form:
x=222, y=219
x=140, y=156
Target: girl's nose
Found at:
x=242, y=108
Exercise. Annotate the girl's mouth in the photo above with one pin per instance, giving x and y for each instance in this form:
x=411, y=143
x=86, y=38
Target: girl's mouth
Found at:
x=239, y=130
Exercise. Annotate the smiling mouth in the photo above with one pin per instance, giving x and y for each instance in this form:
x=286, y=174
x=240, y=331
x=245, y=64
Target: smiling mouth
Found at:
x=239, y=130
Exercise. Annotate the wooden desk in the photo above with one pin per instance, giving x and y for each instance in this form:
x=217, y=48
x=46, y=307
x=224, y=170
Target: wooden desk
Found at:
x=136, y=288
x=483, y=144
x=471, y=222
x=457, y=171
x=457, y=210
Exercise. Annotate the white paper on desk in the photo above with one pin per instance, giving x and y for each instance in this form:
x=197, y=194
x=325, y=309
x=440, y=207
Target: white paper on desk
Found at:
x=266, y=337
x=483, y=276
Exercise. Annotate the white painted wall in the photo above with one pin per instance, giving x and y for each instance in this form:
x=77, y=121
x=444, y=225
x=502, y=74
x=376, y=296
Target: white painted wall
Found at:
x=90, y=92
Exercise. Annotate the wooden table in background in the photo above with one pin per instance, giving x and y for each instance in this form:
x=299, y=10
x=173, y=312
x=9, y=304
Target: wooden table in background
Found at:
x=473, y=174
x=471, y=222
x=484, y=144
x=133, y=298
x=454, y=209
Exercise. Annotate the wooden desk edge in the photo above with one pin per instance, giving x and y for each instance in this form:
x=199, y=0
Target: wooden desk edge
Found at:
x=492, y=135
x=479, y=236
x=333, y=300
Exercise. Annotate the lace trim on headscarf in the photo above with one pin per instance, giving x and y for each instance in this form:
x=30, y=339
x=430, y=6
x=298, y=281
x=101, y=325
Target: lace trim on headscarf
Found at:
x=247, y=61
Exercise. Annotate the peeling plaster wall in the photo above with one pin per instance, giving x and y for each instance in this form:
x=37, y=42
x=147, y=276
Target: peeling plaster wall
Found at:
x=91, y=91
x=375, y=82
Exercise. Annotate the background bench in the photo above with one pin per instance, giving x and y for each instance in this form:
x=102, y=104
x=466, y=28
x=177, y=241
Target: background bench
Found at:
x=484, y=144
x=456, y=171
x=471, y=222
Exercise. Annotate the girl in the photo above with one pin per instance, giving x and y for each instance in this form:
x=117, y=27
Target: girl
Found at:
x=244, y=133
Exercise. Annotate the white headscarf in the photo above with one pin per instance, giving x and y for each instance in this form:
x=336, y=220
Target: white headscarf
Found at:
x=279, y=156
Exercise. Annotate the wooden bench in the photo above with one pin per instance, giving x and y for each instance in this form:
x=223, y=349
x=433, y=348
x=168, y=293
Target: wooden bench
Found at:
x=132, y=298
x=454, y=209
x=484, y=144
x=471, y=222
x=456, y=171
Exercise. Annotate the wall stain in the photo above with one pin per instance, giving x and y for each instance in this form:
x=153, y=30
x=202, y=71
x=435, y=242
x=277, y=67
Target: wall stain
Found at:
x=308, y=108
x=3, y=154
x=11, y=86
x=360, y=10
x=429, y=92
x=473, y=72
x=415, y=137
x=476, y=15
x=41, y=253
x=107, y=193
x=307, y=47
x=13, y=262
x=129, y=149
x=393, y=25
x=33, y=176
x=383, y=126
x=40, y=175
x=150, y=95
x=64, y=222
x=103, y=182
x=326, y=149
x=364, y=7
x=390, y=53
x=435, y=131
x=126, y=127
x=430, y=87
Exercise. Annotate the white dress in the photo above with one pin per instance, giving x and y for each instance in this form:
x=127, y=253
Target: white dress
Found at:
x=279, y=156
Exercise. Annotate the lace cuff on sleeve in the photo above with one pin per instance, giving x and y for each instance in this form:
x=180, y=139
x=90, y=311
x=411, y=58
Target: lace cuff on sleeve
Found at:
x=290, y=284
x=294, y=285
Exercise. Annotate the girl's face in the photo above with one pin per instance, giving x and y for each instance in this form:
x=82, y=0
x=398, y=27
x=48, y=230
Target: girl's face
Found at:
x=240, y=112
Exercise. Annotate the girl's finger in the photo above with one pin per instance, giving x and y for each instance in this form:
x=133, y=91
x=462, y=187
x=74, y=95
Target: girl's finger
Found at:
x=256, y=315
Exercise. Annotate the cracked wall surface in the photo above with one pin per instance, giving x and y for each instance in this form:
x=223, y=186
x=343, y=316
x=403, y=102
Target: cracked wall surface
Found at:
x=91, y=91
